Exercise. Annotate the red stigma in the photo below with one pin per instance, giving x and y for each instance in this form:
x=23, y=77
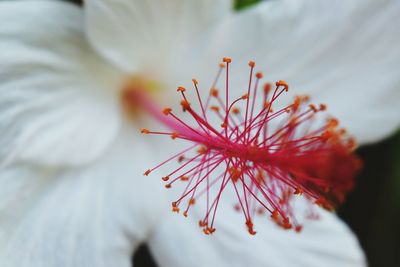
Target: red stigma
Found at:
x=265, y=165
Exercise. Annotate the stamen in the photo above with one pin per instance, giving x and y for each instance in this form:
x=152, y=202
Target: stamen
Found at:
x=167, y=111
x=266, y=167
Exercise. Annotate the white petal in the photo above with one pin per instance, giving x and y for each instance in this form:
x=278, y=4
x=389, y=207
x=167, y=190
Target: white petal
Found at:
x=57, y=104
x=345, y=53
x=326, y=242
x=143, y=34
x=91, y=216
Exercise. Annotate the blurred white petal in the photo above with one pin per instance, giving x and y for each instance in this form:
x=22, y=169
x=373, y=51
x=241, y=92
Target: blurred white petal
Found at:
x=56, y=100
x=141, y=35
x=326, y=242
x=90, y=216
x=58, y=107
x=344, y=53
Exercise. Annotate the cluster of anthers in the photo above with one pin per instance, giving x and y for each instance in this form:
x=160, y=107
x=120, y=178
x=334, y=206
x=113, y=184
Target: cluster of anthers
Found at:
x=265, y=166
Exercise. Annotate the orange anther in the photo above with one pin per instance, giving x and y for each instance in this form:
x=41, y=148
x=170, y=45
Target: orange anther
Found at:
x=293, y=121
x=181, y=158
x=227, y=60
x=214, y=92
x=202, y=150
x=167, y=111
x=235, y=173
x=181, y=89
x=296, y=103
x=298, y=228
x=244, y=97
x=175, y=209
x=259, y=75
x=144, y=131
x=165, y=178
x=252, y=63
x=282, y=83
x=326, y=135
x=221, y=65
x=260, y=177
x=147, y=172
x=168, y=186
x=235, y=110
x=322, y=107
x=333, y=123
x=208, y=230
x=192, y=201
x=267, y=88
x=174, y=135
x=195, y=81
x=342, y=131
x=249, y=224
x=185, y=105
x=306, y=98
x=223, y=125
x=313, y=107
x=286, y=223
x=298, y=191
x=185, y=213
x=275, y=215
x=184, y=178
x=214, y=108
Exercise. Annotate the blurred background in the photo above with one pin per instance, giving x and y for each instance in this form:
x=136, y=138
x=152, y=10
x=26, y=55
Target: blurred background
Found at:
x=372, y=210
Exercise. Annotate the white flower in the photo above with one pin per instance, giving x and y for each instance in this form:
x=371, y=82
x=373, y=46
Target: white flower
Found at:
x=71, y=186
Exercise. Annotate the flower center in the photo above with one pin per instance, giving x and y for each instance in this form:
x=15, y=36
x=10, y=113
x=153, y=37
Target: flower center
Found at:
x=135, y=89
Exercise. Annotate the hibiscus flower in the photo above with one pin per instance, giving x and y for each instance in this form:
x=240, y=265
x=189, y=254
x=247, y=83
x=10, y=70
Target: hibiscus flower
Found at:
x=72, y=191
